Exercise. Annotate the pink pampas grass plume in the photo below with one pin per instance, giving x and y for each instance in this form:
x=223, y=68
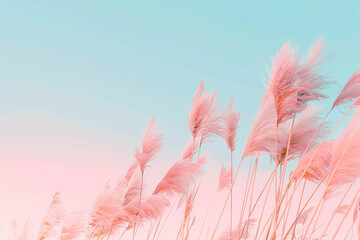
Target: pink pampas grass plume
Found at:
x=311, y=81
x=133, y=189
x=201, y=162
x=198, y=110
x=230, y=125
x=304, y=216
x=350, y=91
x=189, y=150
x=53, y=219
x=224, y=179
x=153, y=207
x=212, y=123
x=151, y=145
x=283, y=76
x=235, y=232
x=150, y=209
x=177, y=178
x=74, y=226
x=292, y=84
x=304, y=128
x=131, y=171
x=356, y=103
x=342, y=209
x=314, y=57
x=105, y=210
x=262, y=135
x=203, y=117
x=19, y=231
x=320, y=164
x=345, y=164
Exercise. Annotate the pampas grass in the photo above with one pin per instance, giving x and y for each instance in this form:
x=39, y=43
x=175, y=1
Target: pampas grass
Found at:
x=287, y=127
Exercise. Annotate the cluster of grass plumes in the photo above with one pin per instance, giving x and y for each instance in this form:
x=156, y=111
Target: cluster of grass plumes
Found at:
x=287, y=127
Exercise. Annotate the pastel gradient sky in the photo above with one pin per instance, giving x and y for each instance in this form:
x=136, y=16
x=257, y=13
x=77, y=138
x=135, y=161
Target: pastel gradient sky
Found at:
x=79, y=80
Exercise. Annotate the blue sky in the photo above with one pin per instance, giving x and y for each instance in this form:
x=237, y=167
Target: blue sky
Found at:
x=104, y=68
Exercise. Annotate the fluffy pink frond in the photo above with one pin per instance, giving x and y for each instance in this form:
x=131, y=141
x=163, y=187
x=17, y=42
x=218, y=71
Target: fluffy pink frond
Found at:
x=53, y=218
x=133, y=188
x=212, y=123
x=356, y=103
x=131, y=170
x=198, y=110
x=202, y=160
x=224, y=179
x=203, y=117
x=177, y=178
x=283, y=76
x=230, y=125
x=342, y=209
x=235, y=232
x=151, y=145
x=314, y=54
x=74, y=226
x=19, y=231
x=263, y=131
x=292, y=84
x=303, y=131
x=350, y=91
x=105, y=209
x=345, y=164
x=154, y=207
x=189, y=205
x=310, y=80
x=304, y=216
x=190, y=150
x=320, y=164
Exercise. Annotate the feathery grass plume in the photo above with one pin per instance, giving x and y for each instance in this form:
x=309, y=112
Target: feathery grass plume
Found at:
x=342, y=209
x=151, y=145
x=356, y=103
x=189, y=150
x=53, y=219
x=304, y=128
x=230, y=125
x=131, y=171
x=320, y=164
x=282, y=79
x=310, y=80
x=314, y=57
x=350, y=91
x=203, y=117
x=292, y=84
x=189, y=204
x=133, y=189
x=262, y=135
x=201, y=162
x=19, y=231
x=106, y=208
x=304, y=216
x=177, y=178
x=74, y=226
x=235, y=233
x=345, y=164
x=198, y=110
x=154, y=207
x=224, y=178
x=212, y=123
